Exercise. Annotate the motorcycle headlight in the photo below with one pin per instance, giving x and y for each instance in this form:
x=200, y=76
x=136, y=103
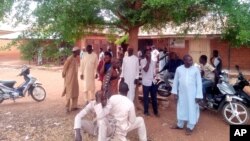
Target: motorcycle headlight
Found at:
x=229, y=98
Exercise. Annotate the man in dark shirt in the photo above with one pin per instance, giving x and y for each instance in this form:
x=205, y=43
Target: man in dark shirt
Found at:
x=172, y=64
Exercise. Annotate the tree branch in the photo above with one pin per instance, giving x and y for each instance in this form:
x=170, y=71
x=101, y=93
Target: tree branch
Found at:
x=136, y=5
x=122, y=27
x=122, y=18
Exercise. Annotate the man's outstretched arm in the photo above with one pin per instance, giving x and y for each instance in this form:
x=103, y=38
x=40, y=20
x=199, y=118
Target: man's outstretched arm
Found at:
x=78, y=120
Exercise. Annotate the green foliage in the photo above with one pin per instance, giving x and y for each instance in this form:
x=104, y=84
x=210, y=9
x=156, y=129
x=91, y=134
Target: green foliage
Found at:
x=69, y=20
x=123, y=39
x=111, y=38
x=50, y=53
x=29, y=49
x=237, y=26
x=5, y=7
x=65, y=52
x=53, y=54
x=112, y=35
x=66, y=20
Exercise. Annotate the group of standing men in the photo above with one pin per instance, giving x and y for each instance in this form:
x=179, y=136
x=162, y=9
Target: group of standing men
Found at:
x=113, y=111
x=91, y=67
x=70, y=74
x=115, y=114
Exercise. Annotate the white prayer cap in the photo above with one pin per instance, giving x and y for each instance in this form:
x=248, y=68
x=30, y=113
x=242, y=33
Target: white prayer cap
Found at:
x=75, y=48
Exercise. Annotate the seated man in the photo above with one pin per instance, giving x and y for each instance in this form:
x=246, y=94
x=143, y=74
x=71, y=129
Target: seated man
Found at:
x=173, y=63
x=208, y=74
x=114, y=118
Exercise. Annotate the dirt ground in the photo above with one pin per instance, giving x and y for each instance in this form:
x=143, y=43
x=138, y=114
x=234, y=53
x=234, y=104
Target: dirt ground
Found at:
x=27, y=120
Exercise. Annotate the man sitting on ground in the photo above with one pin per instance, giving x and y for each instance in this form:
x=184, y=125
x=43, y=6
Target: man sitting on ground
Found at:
x=114, y=119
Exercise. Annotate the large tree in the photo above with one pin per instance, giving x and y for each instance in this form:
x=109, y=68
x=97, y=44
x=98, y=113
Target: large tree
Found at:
x=68, y=20
x=5, y=7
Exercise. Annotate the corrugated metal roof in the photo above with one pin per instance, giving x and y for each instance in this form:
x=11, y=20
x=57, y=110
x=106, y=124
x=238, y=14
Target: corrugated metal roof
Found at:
x=11, y=35
x=4, y=32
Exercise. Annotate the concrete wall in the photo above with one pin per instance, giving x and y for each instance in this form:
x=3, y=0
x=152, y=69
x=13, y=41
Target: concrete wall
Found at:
x=232, y=56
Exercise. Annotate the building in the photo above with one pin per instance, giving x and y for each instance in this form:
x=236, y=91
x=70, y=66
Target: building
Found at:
x=5, y=39
x=188, y=44
x=191, y=44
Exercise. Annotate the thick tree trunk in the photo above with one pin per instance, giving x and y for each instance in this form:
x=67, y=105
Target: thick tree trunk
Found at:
x=133, y=39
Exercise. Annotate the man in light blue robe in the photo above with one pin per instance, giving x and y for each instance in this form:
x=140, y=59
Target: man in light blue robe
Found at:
x=187, y=88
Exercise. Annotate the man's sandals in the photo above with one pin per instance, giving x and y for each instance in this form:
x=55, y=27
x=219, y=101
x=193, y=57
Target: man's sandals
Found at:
x=188, y=131
x=175, y=127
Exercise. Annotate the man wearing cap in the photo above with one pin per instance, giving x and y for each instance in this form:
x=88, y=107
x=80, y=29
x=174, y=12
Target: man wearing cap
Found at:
x=88, y=73
x=70, y=73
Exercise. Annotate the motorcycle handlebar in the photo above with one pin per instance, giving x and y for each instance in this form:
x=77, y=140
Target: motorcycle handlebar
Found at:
x=237, y=67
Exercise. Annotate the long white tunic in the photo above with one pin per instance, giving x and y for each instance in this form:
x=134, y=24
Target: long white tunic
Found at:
x=99, y=129
x=188, y=86
x=88, y=68
x=154, y=55
x=119, y=109
x=122, y=110
x=130, y=72
x=88, y=109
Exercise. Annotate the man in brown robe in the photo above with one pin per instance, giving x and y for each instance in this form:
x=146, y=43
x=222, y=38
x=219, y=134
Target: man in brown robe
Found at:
x=70, y=75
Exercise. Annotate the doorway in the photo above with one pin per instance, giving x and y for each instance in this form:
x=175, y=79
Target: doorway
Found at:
x=198, y=47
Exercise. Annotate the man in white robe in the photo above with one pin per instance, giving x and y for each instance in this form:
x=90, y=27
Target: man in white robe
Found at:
x=188, y=90
x=82, y=53
x=113, y=121
x=88, y=73
x=155, y=54
x=130, y=72
x=101, y=54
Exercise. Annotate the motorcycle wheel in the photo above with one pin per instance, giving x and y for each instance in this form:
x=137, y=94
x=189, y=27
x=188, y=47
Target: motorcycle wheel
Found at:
x=164, y=89
x=38, y=93
x=235, y=113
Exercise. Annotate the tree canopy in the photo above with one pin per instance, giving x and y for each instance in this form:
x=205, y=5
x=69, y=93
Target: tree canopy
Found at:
x=237, y=25
x=69, y=20
x=5, y=7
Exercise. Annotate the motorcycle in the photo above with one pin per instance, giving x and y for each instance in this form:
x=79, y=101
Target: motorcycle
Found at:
x=30, y=85
x=229, y=99
x=164, y=84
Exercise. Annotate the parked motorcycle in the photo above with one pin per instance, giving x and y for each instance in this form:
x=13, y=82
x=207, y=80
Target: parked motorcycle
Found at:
x=30, y=85
x=164, y=84
x=230, y=100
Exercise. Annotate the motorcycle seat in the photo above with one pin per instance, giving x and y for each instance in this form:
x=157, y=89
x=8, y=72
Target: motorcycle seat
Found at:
x=8, y=83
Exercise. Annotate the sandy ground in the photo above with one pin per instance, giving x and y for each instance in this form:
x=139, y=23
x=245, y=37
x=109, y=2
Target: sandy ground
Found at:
x=27, y=120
